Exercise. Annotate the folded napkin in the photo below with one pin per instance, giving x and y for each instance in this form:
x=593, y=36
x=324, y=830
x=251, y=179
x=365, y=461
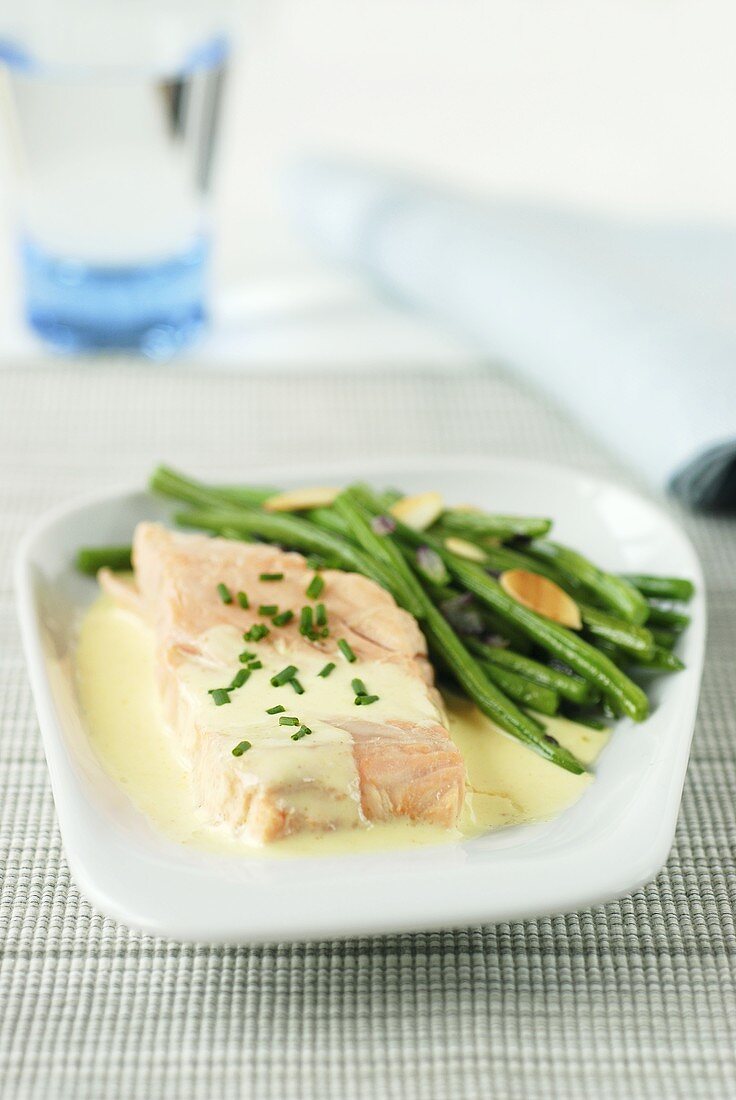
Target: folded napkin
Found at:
x=632, y=327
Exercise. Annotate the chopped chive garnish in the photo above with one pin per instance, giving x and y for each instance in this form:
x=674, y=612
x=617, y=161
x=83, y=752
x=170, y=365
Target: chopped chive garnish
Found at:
x=282, y=618
x=325, y=672
x=315, y=586
x=320, y=615
x=253, y=665
x=271, y=577
x=242, y=747
x=314, y=561
x=285, y=675
x=286, y=720
x=303, y=731
x=296, y=686
x=243, y=600
x=256, y=632
x=219, y=696
x=346, y=651
x=246, y=656
x=239, y=679
x=365, y=700
x=278, y=709
x=359, y=687
x=224, y=593
x=268, y=609
x=305, y=622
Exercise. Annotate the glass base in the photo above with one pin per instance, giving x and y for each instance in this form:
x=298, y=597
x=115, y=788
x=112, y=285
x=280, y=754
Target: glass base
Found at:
x=154, y=309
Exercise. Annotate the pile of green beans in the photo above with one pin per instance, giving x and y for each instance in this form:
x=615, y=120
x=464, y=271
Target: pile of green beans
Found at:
x=523, y=668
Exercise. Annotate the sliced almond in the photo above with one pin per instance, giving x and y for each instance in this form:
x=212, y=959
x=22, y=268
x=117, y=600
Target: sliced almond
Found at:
x=465, y=549
x=299, y=500
x=541, y=595
x=419, y=511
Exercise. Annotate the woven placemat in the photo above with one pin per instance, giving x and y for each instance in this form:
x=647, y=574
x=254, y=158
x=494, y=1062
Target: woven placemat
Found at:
x=634, y=999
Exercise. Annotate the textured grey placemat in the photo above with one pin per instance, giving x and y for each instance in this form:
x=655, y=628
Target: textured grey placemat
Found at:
x=634, y=999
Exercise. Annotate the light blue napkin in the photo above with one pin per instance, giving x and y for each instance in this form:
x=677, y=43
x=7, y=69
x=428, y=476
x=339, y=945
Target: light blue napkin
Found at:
x=632, y=327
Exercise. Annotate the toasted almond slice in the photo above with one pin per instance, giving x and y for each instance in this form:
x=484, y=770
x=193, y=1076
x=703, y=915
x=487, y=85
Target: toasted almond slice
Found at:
x=419, y=511
x=299, y=500
x=464, y=549
x=541, y=595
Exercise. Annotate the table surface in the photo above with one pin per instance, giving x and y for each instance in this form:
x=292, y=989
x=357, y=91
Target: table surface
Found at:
x=633, y=999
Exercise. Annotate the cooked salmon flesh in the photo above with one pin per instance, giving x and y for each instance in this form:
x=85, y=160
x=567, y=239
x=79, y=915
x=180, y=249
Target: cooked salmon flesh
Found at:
x=309, y=755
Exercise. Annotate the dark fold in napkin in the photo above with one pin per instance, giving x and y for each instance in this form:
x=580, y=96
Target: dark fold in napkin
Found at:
x=708, y=481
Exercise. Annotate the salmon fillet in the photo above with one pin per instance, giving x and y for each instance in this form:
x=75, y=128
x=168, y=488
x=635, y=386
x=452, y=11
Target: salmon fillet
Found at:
x=359, y=763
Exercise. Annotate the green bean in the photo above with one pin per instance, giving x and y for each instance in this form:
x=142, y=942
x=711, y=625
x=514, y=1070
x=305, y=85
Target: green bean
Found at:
x=632, y=639
x=329, y=519
x=664, y=616
x=91, y=558
x=496, y=526
x=523, y=691
x=356, y=505
x=170, y=483
x=626, y=696
x=662, y=588
x=520, y=642
x=664, y=638
x=593, y=666
x=442, y=594
x=488, y=698
x=289, y=530
x=440, y=590
x=619, y=658
x=662, y=660
x=613, y=592
x=406, y=587
x=568, y=687
x=503, y=558
x=445, y=643
x=248, y=496
x=385, y=499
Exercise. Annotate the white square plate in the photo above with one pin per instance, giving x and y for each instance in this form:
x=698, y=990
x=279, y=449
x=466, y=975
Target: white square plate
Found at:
x=611, y=842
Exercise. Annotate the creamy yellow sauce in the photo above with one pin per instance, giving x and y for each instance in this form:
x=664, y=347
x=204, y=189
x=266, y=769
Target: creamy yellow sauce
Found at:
x=319, y=770
x=507, y=784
